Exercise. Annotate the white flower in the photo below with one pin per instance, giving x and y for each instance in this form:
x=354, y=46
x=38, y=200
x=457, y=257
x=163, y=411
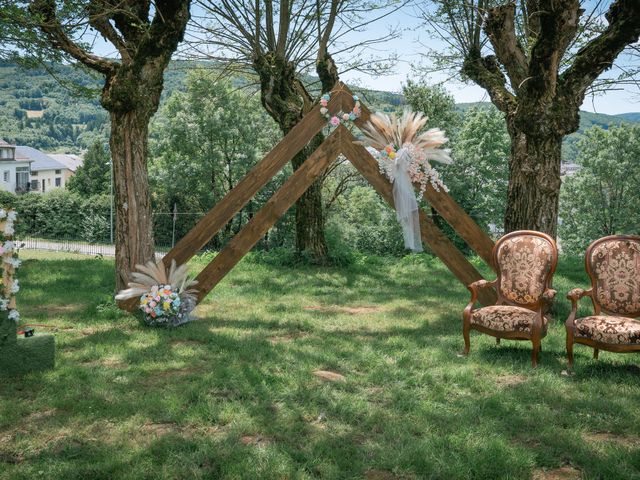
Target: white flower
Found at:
x=4, y=303
x=3, y=213
x=14, y=315
x=15, y=287
x=8, y=229
x=13, y=261
x=9, y=246
x=12, y=215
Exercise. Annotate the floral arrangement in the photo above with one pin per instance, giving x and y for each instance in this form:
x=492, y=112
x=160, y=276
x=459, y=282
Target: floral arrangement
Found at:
x=404, y=152
x=341, y=116
x=387, y=136
x=166, y=297
x=10, y=262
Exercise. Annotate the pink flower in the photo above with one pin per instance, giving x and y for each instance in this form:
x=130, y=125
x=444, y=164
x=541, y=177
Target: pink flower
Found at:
x=335, y=121
x=1, y=250
x=345, y=117
x=323, y=102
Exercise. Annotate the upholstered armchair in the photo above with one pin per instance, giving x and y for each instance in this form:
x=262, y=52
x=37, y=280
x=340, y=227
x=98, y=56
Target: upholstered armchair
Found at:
x=525, y=262
x=613, y=265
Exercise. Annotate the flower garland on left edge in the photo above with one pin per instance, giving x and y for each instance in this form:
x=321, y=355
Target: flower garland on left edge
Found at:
x=341, y=116
x=10, y=262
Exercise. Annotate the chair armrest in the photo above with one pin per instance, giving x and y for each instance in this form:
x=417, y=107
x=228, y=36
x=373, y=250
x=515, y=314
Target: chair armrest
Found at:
x=549, y=294
x=473, y=288
x=575, y=295
x=481, y=284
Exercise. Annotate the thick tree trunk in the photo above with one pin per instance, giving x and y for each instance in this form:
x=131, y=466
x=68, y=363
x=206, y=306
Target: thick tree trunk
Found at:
x=534, y=182
x=285, y=99
x=134, y=223
x=310, y=238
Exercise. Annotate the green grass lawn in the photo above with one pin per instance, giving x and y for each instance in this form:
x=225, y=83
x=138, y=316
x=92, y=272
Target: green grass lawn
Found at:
x=234, y=395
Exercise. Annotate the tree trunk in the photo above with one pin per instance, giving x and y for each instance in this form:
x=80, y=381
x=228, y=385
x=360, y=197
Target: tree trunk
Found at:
x=309, y=212
x=534, y=182
x=134, y=223
x=285, y=100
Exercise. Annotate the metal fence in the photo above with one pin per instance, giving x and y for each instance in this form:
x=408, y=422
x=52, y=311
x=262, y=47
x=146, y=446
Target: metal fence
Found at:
x=82, y=247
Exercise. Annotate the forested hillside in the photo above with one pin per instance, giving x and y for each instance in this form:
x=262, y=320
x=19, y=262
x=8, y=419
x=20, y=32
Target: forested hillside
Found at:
x=62, y=111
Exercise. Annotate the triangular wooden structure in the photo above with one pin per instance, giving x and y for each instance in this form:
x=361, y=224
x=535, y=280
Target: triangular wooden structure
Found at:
x=340, y=141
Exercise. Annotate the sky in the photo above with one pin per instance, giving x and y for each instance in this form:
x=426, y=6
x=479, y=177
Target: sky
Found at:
x=410, y=49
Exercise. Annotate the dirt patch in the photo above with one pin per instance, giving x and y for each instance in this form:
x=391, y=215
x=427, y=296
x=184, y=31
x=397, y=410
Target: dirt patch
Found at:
x=510, y=380
x=562, y=473
x=108, y=362
x=330, y=376
x=257, y=440
x=290, y=337
x=606, y=437
x=158, y=429
x=375, y=474
x=341, y=309
x=186, y=343
x=40, y=415
x=58, y=309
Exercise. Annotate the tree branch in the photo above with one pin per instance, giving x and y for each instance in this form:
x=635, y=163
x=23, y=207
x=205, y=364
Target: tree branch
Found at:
x=486, y=73
x=598, y=55
x=500, y=28
x=45, y=10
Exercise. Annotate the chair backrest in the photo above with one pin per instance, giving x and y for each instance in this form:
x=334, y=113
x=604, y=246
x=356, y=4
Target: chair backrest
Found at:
x=525, y=261
x=613, y=264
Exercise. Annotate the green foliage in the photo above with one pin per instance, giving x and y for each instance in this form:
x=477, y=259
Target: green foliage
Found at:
x=478, y=177
x=603, y=197
x=435, y=102
x=59, y=213
x=361, y=221
x=204, y=140
x=93, y=177
x=95, y=228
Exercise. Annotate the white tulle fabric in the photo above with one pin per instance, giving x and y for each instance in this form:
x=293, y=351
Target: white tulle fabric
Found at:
x=406, y=205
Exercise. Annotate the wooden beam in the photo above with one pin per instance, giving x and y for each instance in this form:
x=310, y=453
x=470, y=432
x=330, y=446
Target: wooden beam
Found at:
x=441, y=201
x=269, y=214
x=299, y=136
x=431, y=235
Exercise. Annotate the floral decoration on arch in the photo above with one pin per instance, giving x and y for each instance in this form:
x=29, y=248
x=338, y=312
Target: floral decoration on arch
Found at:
x=341, y=116
x=404, y=152
x=10, y=263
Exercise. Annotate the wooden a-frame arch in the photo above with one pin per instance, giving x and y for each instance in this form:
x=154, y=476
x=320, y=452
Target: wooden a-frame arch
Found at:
x=340, y=141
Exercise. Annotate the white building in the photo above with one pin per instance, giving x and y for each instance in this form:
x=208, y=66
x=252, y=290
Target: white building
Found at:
x=14, y=169
x=48, y=171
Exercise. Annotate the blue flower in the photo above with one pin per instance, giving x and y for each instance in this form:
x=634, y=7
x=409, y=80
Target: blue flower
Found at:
x=355, y=98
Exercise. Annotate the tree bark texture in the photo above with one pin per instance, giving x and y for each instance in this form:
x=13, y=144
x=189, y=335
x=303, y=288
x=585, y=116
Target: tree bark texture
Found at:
x=286, y=100
x=134, y=221
x=534, y=182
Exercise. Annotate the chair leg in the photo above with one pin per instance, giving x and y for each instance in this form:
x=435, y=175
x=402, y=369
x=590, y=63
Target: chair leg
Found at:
x=569, y=343
x=497, y=340
x=595, y=353
x=466, y=328
x=534, y=352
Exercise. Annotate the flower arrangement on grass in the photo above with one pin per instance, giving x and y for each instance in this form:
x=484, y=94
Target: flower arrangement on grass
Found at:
x=340, y=117
x=166, y=297
x=10, y=262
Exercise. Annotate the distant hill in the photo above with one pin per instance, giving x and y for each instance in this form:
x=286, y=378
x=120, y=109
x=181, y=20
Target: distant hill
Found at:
x=42, y=112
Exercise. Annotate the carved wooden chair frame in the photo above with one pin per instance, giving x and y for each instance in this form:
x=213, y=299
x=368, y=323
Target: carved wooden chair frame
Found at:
x=577, y=293
x=540, y=307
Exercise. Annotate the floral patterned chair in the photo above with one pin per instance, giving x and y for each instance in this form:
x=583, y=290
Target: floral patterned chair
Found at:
x=613, y=264
x=525, y=261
